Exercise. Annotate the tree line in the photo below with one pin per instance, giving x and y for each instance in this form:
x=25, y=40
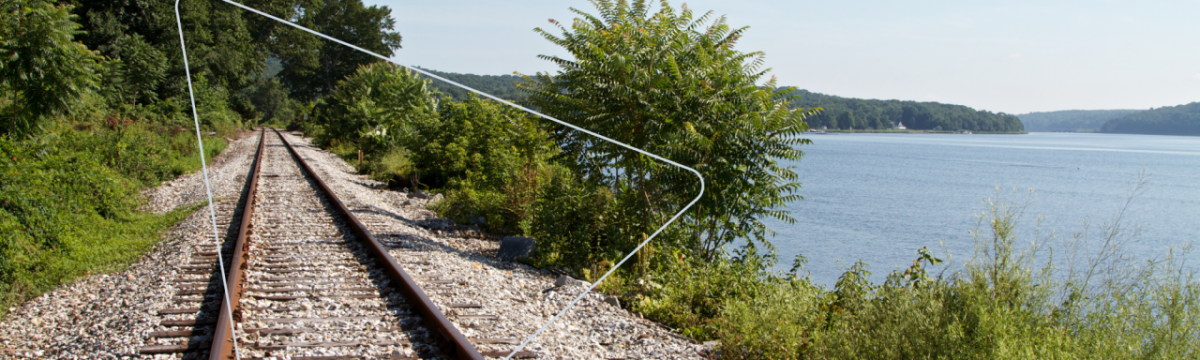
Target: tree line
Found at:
x=1070, y=120
x=501, y=86
x=127, y=53
x=863, y=114
x=1168, y=120
x=838, y=112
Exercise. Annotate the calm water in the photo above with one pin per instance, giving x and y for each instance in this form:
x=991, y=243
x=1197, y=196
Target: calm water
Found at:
x=881, y=197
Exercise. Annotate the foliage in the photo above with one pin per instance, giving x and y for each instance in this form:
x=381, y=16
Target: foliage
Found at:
x=477, y=141
x=142, y=36
x=312, y=65
x=212, y=107
x=489, y=156
x=69, y=200
x=271, y=102
x=1169, y=120
x=1070, y=120
x=673, y=84
x=689, y=293
x=573, y=223
x=850, y=113
x=376, y=107
x=42, y=71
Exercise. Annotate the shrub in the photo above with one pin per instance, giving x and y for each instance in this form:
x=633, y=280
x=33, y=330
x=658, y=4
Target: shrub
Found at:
x=69, y=200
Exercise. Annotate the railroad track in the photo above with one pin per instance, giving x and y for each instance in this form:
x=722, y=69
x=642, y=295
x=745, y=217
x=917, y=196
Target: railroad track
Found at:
x=307, y=282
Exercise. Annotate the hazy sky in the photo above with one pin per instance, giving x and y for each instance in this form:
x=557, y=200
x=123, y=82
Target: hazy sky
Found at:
x=1010, y=56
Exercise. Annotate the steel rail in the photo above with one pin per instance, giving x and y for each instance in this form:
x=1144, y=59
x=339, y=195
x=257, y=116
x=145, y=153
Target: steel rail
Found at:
x=223, y=333
x=460, y=347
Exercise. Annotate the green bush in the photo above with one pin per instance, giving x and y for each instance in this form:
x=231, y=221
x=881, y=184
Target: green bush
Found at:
x=689, y=293
x=69, y=202
x=571, y=221
x=489, y=158
x=375, y=108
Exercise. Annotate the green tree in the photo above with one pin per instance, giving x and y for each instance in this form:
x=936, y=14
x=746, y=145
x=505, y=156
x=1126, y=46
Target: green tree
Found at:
x=43, y=71
x=271, y=101
x=142, y=36
x=312, y=65
x=673, y=84
x=377, y=105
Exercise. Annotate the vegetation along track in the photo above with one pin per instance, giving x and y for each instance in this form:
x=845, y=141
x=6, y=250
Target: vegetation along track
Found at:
x=307, y=281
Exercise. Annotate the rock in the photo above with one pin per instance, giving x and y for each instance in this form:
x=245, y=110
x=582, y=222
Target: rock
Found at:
x=479, y=220
x=566, y=280
x=435, y=198
x=514, y=247
x=612, y=300
x=419, y=194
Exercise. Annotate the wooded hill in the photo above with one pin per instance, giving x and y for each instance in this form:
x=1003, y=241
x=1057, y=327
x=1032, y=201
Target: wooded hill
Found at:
x=840, y=113
x=1170, y=120
x=498, y=85
x=850, y=113
x=1070, y=120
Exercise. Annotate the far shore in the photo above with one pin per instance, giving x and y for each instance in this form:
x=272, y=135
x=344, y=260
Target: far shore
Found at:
x=897, y=131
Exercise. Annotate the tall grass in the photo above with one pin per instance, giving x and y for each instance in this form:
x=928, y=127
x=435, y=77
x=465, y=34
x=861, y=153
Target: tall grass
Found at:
x=1006, y=302
x=69, y=201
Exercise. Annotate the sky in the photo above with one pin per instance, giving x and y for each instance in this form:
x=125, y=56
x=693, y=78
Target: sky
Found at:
x=1002, y=56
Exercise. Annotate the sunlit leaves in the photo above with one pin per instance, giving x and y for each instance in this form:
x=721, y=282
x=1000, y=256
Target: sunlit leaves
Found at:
x=377, y=105
x=672, y=84
x=43, y=70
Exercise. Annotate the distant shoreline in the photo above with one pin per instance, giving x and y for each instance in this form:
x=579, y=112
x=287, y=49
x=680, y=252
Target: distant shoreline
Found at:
x=894, y=131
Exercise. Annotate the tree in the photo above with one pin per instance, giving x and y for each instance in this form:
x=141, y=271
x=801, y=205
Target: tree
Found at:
x=377, y=105
x=42, y=71
x=673, y=84
x=312, y=65
x=135, y=71
x=270, y=100
x=142, y=36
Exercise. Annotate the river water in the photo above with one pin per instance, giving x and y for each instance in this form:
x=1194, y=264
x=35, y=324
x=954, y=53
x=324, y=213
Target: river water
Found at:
x=881, y=197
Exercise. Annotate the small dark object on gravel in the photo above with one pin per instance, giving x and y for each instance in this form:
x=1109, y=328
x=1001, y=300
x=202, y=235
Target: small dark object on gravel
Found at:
x=565, y=280
x=479, y=220
x=513, y=247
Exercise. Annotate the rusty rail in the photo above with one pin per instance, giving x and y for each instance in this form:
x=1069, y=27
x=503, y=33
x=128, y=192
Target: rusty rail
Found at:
x=460, y=348
x=222, y=344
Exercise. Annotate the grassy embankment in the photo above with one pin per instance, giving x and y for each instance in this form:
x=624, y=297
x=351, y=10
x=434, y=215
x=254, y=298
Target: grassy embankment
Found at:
x=69, y=203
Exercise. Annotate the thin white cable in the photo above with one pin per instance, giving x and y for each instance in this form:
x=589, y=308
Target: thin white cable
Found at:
x=547, y=117
x=212, y=213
